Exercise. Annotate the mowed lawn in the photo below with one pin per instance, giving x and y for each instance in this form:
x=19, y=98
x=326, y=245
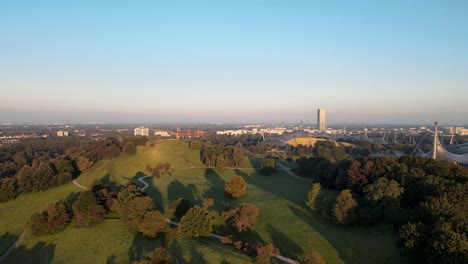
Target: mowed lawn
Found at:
x=283, y=220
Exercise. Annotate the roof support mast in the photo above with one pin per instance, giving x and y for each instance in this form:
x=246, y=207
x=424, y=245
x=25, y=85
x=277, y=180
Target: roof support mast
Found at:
x=434, y=151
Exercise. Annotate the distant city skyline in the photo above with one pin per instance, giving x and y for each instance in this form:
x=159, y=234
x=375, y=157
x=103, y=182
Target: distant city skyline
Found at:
x=375, y=62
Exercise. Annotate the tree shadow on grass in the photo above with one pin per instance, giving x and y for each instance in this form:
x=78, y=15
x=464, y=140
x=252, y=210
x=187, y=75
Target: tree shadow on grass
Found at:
x=6, y=240
x=142, y=245
x=285, y=243
x=71, y=198
x=154, y=192
x=216, y=191
x=39, y=253
x=344, y=253
x=176, y=190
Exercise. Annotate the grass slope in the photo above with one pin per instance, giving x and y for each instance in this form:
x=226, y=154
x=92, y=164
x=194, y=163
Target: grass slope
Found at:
x=283, y=219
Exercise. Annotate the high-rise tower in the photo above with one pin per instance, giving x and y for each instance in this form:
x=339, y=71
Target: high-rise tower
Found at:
x=321, y=120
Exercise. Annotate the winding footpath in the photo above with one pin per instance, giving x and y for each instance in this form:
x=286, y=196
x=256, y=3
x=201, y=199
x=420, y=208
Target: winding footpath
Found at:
x=79, y=185
x=289, y=171
x=219, y=237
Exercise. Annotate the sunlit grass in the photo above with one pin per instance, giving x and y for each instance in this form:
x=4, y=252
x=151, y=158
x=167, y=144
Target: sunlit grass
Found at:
x=284, y=220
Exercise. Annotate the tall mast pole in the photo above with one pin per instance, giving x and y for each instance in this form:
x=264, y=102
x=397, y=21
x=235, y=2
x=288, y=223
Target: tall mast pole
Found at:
x=434, y=151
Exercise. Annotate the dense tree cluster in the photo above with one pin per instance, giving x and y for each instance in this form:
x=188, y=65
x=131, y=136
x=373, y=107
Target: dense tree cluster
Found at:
x=321, y=149
x=221, y=157
x=38, y=164
x=236, y=187
x=160, y=169
x=426, y=199
x=264, y=253
x=197, y=222
x=242, y=217
x=159, y=255
x=137, y=210
x=268, y=166
x=50, y=221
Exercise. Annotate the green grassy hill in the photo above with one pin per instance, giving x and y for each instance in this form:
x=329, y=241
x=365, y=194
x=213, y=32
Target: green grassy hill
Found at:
x=283, y=218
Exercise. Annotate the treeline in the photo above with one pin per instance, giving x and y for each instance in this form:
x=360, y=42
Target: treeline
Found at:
x=221, y=157
x=425, y=199
x=39, y=164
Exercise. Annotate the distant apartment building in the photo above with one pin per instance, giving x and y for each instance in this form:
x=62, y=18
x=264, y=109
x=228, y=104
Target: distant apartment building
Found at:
x=321, y=120
x=141, y=131
x=162, y=133
x=458, y=131
x=62, y=133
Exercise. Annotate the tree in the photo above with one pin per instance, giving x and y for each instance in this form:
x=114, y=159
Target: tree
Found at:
x=83, y=163
x=413, y=237
x=268, y=167
x=130, y=148
x=313, y=258
x=197, y=222
x=264, y=253
x=344, y=210
x=180, y=207
x=384, y=191
x=312, y=196
x=159, y=255
x=57, y=217
x=153, y=223
x=160, y=169
x=242, y=217
x=8, y=189
x=134, y=211
x=37, y=224
x=207, y=203
x=236, y=187
x=87, y=211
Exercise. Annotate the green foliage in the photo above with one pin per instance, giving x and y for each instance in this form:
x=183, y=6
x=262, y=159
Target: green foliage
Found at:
x=180, y=207
x=48, y=222
x=37, y=224
x=312, y=195
x=236, y=187
x=197, y=222
x=268, y=167
x=264, y=253
x=221, y=157
x=87, y=211
x=160, y=169
x=8, y=189
x=129, y=148
x=153, y=223
x=159, y=255
x=413, y=237
x=344, y=210
x=313, y=258
x=242, y=217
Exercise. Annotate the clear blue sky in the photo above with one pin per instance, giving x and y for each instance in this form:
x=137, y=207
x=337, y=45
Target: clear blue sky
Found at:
x=234, y=61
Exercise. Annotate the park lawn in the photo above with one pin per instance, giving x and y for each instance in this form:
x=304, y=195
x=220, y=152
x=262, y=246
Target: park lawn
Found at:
x=111, y=242
x=14, y=214
x=284, y=220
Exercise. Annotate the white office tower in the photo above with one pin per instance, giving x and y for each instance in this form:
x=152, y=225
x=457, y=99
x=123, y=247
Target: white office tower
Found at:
x=141, y=131
x=321, y=120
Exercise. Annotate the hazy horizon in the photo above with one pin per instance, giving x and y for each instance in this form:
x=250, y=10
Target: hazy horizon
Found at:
x=366, y=62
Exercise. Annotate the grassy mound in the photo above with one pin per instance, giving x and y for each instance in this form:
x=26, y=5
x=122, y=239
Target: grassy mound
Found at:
x=283, y=220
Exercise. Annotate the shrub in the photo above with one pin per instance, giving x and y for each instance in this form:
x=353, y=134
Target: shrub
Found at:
x=236, y=187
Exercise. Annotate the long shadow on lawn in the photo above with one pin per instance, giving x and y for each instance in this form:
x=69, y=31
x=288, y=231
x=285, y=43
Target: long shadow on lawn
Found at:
x=312, y=221
x=176, y=190
x=217, y=191
x=285, y=243
x=142, y=245
x=39, y=253
x=154, y=192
